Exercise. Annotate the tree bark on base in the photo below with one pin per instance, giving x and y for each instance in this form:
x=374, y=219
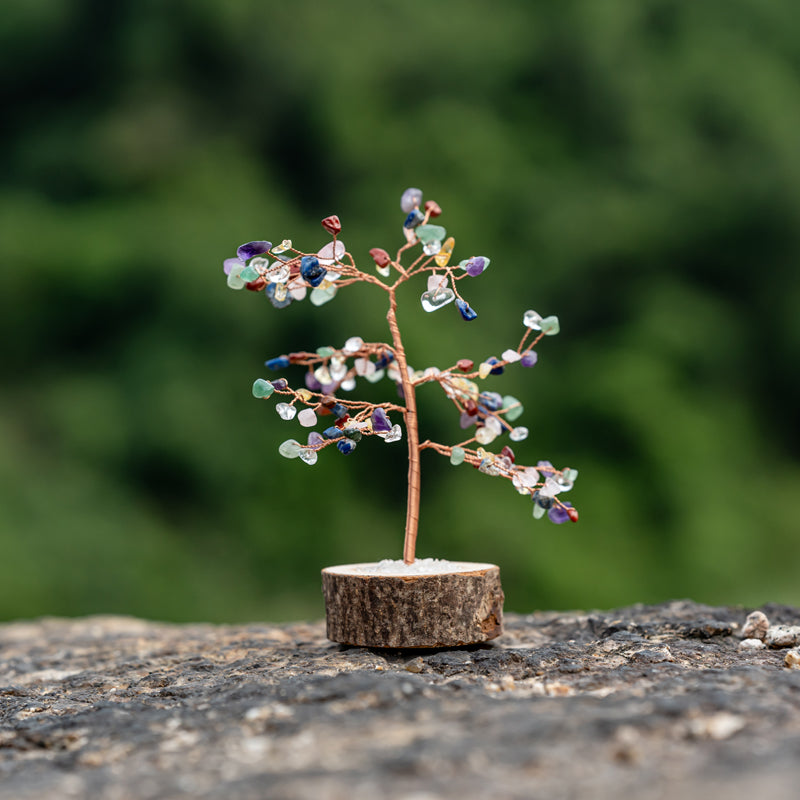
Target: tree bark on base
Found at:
x=460, y=607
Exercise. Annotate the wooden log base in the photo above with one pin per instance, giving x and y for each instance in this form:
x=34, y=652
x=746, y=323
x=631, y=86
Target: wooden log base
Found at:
x=460, y=606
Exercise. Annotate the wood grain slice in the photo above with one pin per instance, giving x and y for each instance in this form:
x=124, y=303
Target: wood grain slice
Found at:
x=448, y=609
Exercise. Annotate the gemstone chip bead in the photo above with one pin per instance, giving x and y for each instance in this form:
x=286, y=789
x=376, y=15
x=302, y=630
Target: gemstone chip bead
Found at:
x=494, y=425
x=323, y=375
x=235, y=280
x=457, y=456
x=513, y=406
x=262, y=388
x=322, y=294
x=331, y=253
x=286, y=411
x=532, y=320
x=380, y=256
x=410, y=199
x=432, y=208
x=559, y=514
x=353, y=344
x=315, y=439
x=550, y=326
x=485, y=435
x=414, y=218
x=431, y=301
x=290, y=448
x=249, y=273
x=308, y=455
x=475, y=266
x=312, y=271
x=465, y=309
x=277, y=295
x=364, y=366
x=280, y=273
x=436, y=283
x=307, y=418
x=297, y=288
x=497, y=367
x=251, y=249
x=380, y=421
x=279, y=362
x=345, y=446
x=332, y=224
x=431, y=233
x=394, y=435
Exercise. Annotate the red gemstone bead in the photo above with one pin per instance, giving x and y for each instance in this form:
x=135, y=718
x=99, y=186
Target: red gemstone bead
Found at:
x=572, y=513
x=465, y=365
x=433, y=208
x=508, y=453
x=380, y=256
x=471, y=407
x=340, y=423
x=332, y=224
x=257, y=285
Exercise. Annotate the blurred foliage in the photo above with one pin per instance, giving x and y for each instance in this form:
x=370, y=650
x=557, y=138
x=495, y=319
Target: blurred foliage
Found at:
x=631, y=167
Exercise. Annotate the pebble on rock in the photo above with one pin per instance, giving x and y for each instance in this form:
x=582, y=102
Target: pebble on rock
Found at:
x=792, y=659
x=782, y=636
x=416, y=665
x=755, y=626
x=751, y=644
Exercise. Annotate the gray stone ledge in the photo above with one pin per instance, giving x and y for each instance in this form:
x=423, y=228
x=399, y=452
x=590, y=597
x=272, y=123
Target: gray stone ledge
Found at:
x=642, y=702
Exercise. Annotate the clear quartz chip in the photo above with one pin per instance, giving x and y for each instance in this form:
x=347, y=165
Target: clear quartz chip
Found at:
x=308, y=455
x=286, y=411
x=532, y=320
x=518, y=434
x=431, y=301
x=394, y=435
x=279, y=273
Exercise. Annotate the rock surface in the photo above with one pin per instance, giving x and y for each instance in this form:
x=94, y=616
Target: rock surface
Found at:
x=645, y=702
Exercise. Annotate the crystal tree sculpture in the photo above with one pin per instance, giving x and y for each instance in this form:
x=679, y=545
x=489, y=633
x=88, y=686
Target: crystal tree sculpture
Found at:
x=285, y=274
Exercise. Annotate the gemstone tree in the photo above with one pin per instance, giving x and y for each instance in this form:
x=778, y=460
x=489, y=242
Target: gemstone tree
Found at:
x=285, y=274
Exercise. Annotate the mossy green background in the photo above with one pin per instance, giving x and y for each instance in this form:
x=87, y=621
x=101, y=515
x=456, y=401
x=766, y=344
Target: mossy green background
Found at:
x=631, y=167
